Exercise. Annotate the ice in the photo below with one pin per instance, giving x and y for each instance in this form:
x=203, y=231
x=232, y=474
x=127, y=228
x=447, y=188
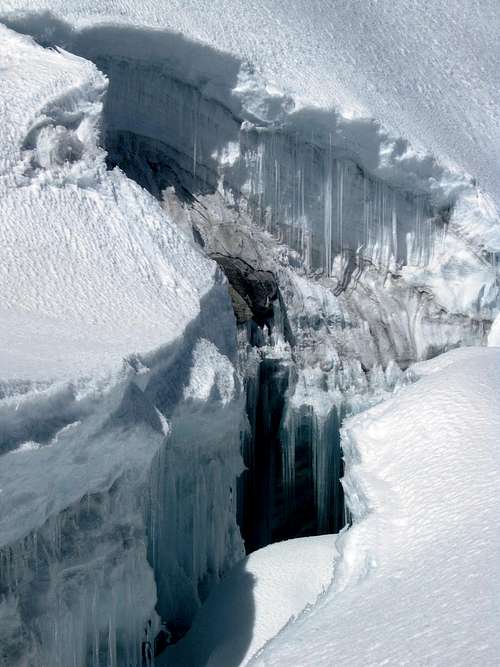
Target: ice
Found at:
x=359, y=172
x=322, y=206
x=405, y=75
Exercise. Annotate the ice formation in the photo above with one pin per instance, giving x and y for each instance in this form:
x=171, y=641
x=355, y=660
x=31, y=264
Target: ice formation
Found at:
x=130, y=400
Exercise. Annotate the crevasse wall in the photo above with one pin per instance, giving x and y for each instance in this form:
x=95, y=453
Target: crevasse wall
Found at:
x=121, y=403
x=367, y=256
x=90, y=585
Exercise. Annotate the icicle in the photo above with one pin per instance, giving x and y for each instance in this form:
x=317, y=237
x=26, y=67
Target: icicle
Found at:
x=195, y=139
x=394, y=229
x=288, y=457
x=340, y=209
x=328, y=213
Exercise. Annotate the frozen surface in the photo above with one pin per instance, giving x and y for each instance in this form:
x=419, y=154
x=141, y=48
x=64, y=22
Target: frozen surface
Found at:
x=417, y=576
x=254, y=601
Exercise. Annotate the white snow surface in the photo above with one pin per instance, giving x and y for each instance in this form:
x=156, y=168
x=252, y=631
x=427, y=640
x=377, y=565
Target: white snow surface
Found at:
x=254, y=601
x=417, y=576
x=428, y=71
x=91, y=269
x=494, y=335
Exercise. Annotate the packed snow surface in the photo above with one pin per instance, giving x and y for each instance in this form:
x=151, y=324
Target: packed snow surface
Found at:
x=427, y=70
x=255, y=600
x=417, y=579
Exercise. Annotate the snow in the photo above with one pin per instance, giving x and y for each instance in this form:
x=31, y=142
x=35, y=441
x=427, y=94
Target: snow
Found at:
x=428, y=72
x=347, y=166
x=254, y=601
x=494, y=336
x=312, y=140
x=90, y=268
x=334, y=153
x=416, y=578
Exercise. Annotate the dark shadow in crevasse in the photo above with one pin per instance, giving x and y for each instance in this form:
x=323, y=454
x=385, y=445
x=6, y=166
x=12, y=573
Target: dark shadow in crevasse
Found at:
x=223, y=628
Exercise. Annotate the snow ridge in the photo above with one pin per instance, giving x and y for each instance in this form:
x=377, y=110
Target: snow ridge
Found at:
x=420, y=557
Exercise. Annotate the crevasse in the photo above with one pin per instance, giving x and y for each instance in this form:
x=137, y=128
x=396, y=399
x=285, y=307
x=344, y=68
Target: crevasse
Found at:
x=364, y=256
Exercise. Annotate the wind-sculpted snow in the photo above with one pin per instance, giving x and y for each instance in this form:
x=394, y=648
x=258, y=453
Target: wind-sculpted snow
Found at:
x=416, y=580
x=116, y=492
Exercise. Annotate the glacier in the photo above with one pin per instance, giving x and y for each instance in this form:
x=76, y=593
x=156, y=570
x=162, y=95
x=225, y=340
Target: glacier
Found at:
x=167, y=174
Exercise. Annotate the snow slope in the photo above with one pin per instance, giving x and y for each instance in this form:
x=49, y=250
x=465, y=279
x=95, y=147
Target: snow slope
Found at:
x=90, y=269
x=417, y=577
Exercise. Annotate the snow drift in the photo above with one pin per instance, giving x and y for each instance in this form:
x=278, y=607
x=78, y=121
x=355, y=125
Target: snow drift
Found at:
x=254, y=601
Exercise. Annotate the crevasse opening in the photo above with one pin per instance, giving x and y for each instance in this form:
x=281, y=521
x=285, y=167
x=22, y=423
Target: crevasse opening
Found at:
x=237, y=175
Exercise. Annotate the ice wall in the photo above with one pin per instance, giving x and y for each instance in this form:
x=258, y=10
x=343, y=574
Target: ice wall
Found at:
x=303, y=190
x=322, y=204
x=153, y=521
x=366, y=251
